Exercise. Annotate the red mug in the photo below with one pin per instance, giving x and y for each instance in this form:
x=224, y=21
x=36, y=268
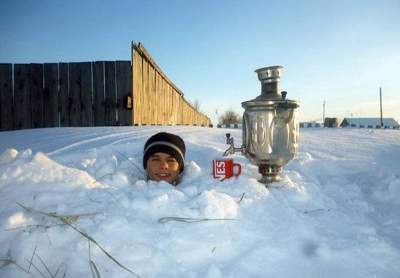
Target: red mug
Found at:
x=224, y=169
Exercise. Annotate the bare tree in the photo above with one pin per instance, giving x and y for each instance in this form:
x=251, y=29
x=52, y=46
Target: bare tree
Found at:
x=196, y=104
x=230, y=117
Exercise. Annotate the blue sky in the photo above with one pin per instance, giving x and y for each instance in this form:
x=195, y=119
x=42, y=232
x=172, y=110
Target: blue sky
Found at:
x=337, y=51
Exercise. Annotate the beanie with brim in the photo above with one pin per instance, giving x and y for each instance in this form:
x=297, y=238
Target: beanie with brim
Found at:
x=164, y=142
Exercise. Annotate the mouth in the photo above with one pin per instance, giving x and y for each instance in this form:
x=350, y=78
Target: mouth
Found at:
x=163, y=175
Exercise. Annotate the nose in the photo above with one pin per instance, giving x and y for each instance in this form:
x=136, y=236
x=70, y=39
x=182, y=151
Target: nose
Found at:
x=164, y=164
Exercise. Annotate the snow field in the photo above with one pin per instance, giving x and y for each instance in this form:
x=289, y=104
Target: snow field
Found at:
x=334, y=214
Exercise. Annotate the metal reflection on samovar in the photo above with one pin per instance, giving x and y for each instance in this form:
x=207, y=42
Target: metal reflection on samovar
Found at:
x=270, y=127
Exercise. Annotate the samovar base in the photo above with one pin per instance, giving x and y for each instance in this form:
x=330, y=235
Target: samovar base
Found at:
x=270, y=173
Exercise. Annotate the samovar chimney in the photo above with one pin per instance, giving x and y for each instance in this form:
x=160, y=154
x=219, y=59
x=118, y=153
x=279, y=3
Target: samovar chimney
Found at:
x=270, y=78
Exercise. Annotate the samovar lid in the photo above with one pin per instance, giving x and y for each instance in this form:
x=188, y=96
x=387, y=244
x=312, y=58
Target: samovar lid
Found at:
x=271, y=103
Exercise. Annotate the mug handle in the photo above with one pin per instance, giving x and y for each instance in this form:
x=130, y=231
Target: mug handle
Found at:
x=239, y=169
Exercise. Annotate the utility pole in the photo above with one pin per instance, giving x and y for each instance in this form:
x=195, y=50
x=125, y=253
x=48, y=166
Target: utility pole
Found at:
x=323, y=112
x=380, y=97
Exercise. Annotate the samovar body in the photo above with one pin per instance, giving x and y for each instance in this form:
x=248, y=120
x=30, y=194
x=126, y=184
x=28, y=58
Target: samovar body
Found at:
x=270, y=127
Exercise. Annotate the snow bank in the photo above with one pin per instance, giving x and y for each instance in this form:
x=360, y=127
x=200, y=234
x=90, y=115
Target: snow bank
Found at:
x=334, y=214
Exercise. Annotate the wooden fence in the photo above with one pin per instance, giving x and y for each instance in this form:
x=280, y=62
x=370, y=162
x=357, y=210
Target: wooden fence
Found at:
x=64, y=94
x=92, y=94
x=156, y=100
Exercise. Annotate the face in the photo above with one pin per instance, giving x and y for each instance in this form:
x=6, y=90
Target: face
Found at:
x=162, y=167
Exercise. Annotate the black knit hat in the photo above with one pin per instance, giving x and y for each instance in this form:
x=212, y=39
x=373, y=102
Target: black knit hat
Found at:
x=166, y=143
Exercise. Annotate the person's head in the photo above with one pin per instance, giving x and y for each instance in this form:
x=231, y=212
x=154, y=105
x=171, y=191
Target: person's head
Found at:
x=164, y=157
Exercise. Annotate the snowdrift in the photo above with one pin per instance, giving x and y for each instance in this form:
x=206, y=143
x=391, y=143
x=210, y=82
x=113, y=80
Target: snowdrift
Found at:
x=74, y=202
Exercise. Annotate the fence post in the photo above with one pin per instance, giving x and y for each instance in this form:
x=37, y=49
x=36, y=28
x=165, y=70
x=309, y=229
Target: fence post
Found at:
x=124, y=75
x=98, y=94
x=22, y=96
x=6, y=97
x=50, y=95
x=64, y=100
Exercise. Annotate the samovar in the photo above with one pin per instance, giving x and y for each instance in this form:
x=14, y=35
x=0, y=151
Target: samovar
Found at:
x=270, y=128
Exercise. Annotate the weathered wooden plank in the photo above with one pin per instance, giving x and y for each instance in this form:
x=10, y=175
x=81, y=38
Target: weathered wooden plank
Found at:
x=64, y=100
x=146, y=103
x=124, y=74
x=50, y=95
x=138, y=90
x=74, y=94
x=178, y=121
x=80, y=94
x=149, y=96
x=175, y=108
x=98, y=94
x=187, y=113
x=157, y=97
x=135, y=87
x=133, y=82
x=110, y=94
x=152, y=99
x=36, y=90
x=169, y=106
x=22, y=96
x=6, y=97
x=183, y=113
x=172, y=112
x=164, y=104
x=160, y=101
x=160, y=94
x=155, y=88
x=86, y=94
x=181, y=109
x=172, y=120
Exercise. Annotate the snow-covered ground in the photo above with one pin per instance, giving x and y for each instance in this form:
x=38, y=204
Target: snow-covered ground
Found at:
x=335, y=214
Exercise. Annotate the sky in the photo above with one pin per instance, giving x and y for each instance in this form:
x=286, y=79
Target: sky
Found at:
x=339, y=52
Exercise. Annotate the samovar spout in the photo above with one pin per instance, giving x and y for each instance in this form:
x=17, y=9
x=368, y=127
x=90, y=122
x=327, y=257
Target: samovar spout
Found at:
x=232, y=149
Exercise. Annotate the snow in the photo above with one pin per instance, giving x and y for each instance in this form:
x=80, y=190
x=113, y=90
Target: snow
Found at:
x=334, y=214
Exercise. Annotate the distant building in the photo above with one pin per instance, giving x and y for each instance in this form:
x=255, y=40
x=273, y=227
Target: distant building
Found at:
x=229, y=125
x=310, y=124
x=369, y=123
x=331, y=122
